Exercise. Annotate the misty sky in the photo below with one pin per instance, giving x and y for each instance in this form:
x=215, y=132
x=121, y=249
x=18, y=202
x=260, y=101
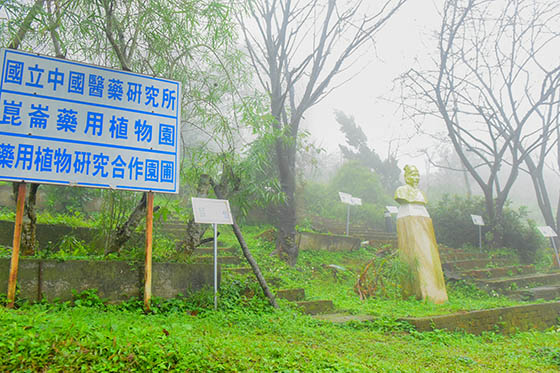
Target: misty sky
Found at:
x=403, y=40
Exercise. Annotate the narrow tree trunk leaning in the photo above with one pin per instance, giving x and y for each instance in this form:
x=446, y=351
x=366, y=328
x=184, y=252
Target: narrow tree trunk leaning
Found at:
x=194, y=231
x=124, y=231
x=26, y=25
x=248, y=256
x=28, y=240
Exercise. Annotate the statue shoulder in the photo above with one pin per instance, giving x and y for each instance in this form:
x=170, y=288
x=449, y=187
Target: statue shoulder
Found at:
x=408, y=194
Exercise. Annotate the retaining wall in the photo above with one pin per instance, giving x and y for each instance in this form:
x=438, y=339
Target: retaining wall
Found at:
x=504, y=320
x=318, y=241
x=115, y=280
x=54, y=232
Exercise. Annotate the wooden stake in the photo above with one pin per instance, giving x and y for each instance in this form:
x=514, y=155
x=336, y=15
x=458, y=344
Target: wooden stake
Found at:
x=15, y=246
x=148, y=261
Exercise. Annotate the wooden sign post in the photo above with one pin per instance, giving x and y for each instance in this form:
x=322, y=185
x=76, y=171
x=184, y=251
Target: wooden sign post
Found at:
x=148, y=259
x=14, y=263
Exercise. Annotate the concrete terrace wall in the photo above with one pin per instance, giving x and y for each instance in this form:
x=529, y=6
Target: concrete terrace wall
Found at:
x=54, y=232
x=115, y=281
x=318, y=241
x=504, y=320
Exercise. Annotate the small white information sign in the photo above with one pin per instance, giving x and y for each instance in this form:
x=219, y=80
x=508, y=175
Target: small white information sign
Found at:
x=211, y=211
x=345, y=198
x=547, y=231
x=356, y=201
x=477, y=220
x=392, y=209
x=70, y=123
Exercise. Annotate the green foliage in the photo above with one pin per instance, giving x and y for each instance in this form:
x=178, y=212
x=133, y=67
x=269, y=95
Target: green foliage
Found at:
x=353, y=178
x=69, y=201
x=358, y=150
x=453, y=226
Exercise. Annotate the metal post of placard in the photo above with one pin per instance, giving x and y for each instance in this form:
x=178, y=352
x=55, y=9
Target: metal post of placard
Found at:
x=14, y=263
x=348, y=220
x=477, y=220
x=547, y=231
x=555, y=251
x=215, y=266
x=212, y=211
x=349, y=200
x=148, y=259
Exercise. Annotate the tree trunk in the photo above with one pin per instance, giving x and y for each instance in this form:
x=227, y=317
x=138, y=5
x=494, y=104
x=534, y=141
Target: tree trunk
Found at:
x=124, y=231
x=29, y=227
x=286, y=217
x=248, y=255
x=194, y=232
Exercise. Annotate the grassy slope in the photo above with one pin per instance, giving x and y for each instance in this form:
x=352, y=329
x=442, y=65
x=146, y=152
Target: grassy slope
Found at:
x=69, y=339
x=244, y=336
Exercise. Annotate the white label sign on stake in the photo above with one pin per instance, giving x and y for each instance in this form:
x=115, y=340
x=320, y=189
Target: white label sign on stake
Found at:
x=392, y=209
x=356, y=201
x=477, y=220
x=345, y=198
x=211, y=211
x=547, y=231
x=69, y=123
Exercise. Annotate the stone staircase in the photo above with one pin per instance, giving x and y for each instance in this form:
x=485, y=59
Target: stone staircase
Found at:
x=309, y=307
x=500, y=274
x=356, y=229
x=231, y=260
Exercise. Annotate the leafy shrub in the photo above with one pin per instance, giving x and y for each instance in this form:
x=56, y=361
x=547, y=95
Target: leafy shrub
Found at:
x=453, y=226
x=323, y=200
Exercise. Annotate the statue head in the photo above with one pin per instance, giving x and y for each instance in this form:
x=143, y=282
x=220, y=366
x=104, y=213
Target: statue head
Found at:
x=411, y=175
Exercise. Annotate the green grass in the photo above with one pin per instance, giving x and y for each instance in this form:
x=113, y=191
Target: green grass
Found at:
x=245, y=334
x=69, y=339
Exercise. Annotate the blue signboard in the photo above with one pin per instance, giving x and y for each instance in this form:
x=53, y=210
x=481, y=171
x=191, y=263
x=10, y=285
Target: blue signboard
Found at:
x=69, y=123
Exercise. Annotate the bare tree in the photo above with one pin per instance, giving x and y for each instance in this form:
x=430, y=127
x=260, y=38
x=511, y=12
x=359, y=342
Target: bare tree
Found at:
x=492, y=80
x=298, y=49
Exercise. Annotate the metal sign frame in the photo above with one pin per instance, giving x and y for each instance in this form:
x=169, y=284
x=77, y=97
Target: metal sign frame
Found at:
x=70, y=123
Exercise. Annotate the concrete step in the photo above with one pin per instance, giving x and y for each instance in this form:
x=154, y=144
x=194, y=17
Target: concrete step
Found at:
x=447, y=256
x=293, y=295
x=499, y=272
x=509, y=284
x=221, y=259
x=547, y=292
x=210, y=251
x=240, y=270
x=464, y=265
x=342, y=318
x=315, y=307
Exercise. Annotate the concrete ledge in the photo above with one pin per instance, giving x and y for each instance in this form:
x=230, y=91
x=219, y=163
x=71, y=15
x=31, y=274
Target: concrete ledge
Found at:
x=54, y=232
x=504, y=320
x=114, y=280
x=318, y=241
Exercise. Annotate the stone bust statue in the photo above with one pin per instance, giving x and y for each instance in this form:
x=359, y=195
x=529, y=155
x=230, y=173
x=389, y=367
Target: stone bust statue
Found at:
x=410, y=193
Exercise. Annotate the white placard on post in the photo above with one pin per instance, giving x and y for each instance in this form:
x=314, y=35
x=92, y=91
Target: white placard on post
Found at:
x=345, y=198
x=70, y=123
x=356, y=201
x=547, y=231
x=477, y=220
x=211, y=211
x=392, y=209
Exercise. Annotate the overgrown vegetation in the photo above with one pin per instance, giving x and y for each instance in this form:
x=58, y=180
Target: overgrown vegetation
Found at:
x=454, y=227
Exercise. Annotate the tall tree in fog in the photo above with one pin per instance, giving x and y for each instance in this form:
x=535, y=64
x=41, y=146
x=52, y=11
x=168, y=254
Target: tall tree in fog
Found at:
x=358, y=149
x=494, y=75
x=299, y=48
